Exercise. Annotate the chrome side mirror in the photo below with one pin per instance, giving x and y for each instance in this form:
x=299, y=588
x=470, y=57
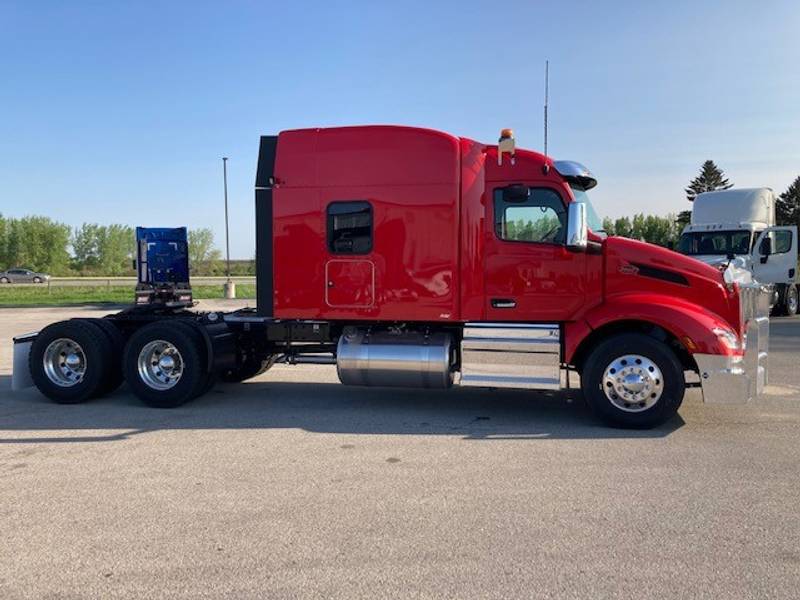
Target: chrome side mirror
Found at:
x=577, y=227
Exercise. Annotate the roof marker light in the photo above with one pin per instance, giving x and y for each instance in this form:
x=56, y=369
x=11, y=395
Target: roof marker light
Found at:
x=505, y=144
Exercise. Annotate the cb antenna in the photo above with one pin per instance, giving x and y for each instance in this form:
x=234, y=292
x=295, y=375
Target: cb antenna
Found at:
x=546, y=97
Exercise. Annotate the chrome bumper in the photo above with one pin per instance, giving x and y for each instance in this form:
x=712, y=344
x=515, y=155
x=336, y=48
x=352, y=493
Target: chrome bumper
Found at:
x=737, y=379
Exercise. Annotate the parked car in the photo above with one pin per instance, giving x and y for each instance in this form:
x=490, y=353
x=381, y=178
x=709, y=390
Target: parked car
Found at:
x=22, y=276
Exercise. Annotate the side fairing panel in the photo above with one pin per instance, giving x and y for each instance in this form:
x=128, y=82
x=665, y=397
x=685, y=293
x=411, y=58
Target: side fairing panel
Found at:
x=410, y=178
x=473, y=214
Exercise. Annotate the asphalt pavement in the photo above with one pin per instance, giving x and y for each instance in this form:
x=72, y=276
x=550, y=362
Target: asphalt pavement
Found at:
x=293, y=486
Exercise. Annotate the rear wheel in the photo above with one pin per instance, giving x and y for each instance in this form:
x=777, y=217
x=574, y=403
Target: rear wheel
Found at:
x=790, y=302
x=165, y=364
x=633, y=381
x=114, y=376
x=69, y=361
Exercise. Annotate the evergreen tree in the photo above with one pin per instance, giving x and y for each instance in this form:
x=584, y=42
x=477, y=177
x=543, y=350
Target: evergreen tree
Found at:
x=683, y=218
x=787, y=208
x=711, y=178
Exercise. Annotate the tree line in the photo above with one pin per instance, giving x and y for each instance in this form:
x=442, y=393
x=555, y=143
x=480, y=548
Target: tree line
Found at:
x=45, y=245
x=42, y=244
x=665, y=231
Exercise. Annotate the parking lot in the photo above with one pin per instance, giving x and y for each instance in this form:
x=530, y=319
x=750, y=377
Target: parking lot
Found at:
x=293, y=485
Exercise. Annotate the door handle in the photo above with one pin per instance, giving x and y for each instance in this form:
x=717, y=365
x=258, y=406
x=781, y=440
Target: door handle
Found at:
x=503, y=303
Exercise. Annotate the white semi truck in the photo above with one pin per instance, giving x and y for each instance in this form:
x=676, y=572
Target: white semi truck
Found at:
x=739, y=225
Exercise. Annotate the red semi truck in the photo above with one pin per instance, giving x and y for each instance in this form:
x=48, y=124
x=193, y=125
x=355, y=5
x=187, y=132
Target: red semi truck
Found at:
x=411, y=257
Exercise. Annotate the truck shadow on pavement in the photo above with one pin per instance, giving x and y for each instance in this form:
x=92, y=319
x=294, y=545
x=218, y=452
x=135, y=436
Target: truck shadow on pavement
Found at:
x=315, y=407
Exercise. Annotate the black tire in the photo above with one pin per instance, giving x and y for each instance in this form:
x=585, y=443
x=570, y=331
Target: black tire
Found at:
x=211, y=376
x=115, y=376
x=4, y=280
x=790, y=300
x=617, y=348
x=194, y=375
x=248, y=369
x=96, y=350
x=37, y=280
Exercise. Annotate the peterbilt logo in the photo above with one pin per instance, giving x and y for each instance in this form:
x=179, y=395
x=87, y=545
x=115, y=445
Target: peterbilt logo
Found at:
x=628, y=269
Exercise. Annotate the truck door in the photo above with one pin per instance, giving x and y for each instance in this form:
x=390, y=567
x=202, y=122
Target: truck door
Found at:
x=529, y=273
x=775, y=255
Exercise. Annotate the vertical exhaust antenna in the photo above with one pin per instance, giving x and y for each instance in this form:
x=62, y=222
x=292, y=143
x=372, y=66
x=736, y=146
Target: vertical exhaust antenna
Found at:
x=546, y=167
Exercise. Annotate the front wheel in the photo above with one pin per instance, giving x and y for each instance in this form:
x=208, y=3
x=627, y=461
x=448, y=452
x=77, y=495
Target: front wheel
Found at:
x=4, y=280
x=633, y=381
x=790, y=302
x=37, y=280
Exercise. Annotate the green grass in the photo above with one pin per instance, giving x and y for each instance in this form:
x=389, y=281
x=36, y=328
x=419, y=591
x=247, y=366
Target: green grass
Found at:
x=64, y=296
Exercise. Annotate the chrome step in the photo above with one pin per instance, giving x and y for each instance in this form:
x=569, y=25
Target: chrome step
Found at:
x=511, y=355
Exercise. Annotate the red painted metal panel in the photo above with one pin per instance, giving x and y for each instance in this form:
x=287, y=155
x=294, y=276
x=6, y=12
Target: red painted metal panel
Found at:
x=473, y=215
x=546, y=281
x=705, y=288
x=410, y=177
x=350, y=283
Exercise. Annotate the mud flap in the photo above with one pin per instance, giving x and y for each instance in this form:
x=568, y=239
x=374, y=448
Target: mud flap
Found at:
x=21, y=374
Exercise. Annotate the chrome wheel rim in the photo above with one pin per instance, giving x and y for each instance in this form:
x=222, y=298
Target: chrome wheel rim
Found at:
x=64, y=362
x=160, y=365
x=633, y=383
x=792, y=303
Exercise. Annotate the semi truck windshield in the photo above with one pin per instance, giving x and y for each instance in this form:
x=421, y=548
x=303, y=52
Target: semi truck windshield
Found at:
x=715, y=242
x=594, y=222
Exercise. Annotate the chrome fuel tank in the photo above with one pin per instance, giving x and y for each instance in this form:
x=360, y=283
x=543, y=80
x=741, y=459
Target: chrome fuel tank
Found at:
x=403, y=359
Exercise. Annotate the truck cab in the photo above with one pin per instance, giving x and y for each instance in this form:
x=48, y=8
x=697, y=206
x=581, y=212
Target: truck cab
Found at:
x=739, y=224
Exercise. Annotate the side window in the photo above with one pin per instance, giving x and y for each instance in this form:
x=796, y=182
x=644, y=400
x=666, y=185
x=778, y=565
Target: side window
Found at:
x=350, y=227
x=783, y=241
x=538, y=216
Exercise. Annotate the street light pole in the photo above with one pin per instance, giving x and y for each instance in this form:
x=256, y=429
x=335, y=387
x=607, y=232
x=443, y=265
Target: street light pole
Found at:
x=230, y=289
x=227, y=242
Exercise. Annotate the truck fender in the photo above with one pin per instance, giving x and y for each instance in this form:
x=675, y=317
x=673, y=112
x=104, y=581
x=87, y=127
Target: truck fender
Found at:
x=691, y=324
x=220, y=345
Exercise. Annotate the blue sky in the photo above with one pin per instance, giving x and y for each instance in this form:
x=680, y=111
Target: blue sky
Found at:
x=120, y=111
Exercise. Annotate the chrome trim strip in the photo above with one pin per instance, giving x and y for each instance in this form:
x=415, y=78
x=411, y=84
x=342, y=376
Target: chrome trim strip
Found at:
x=511, y=355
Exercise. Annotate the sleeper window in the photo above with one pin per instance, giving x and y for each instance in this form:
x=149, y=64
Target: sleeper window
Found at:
x=350, y=227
